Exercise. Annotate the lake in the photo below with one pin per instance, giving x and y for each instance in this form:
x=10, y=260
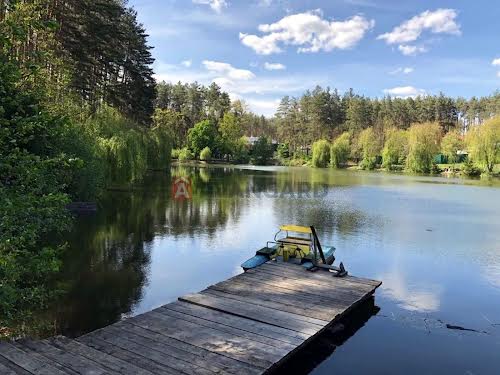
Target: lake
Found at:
x=433, y=242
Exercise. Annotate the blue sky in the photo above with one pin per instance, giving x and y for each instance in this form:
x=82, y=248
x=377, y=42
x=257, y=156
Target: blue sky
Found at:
x=261, y=50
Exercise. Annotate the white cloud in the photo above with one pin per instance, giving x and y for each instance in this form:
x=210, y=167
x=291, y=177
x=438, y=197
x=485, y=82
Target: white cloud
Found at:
x=440, y=21
x=496, y=62
x=187, y=63
x=406, y=70
x=262, y=106
x=498, y=74
x=310, y=32
x=408, y=50
x=228, y=71
x=216, y=5
x=274, y=66
x=404, y=92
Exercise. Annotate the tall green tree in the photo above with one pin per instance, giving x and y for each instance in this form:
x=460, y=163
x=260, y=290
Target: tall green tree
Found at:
x=203, y=134
x=483, y=143
x=423, y=144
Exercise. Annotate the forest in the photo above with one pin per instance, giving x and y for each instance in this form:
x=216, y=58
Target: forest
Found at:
x=76, y=98
x=339, y=129
x=80, y=113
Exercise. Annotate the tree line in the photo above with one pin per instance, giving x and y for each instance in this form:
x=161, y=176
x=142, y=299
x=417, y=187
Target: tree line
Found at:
x=359, y=128
x=414, y=149
x=76, y=103
x=325, y=114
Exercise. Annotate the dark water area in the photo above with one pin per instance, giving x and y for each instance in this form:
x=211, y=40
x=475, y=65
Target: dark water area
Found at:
x=433, y=242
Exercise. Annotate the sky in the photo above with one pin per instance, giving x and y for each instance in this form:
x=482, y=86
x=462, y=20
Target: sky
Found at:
x=262, y=50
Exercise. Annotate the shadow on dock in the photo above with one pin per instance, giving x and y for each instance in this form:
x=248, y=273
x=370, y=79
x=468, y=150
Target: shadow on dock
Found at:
x=315, y=352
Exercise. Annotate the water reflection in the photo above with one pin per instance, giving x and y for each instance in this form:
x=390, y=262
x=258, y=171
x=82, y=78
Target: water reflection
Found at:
x=420, y=297
x=434, y=246
x=109, y=272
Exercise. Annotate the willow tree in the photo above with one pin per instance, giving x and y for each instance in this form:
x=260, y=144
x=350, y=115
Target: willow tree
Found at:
x=321, y=153
x=369, y=145
x=423, y=145
x=339, y=152
x=395, y=148
x=483, y=143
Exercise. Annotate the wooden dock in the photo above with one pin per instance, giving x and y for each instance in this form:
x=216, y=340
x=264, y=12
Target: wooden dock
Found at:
x=249, y=324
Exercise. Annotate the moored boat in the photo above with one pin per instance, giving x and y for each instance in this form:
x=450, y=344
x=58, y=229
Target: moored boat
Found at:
x=300, y=245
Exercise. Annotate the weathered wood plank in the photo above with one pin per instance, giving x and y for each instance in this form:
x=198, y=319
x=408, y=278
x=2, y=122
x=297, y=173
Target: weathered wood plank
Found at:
x=250, y=352
x=108, y=361
x=220, y=361
x=127, y=356
x=280, y=304
x=259, y=313
x=163, y=354
x=249, y=287
x=276, y=333
x=28, y=362
x=42, y=358
x=310, y=287
x=225, y=328
x=338, y=284
x=74, y=362
x=299, y=269
x=201, y=357
x=4, y=370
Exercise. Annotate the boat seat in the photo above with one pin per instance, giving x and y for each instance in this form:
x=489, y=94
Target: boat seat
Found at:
x=294, y=241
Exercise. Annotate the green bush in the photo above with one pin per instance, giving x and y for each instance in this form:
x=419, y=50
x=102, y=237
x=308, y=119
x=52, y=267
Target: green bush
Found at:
x=185, y=154
x=470, y=170
x=206, y=154
x=175, y=153
x=340, y=150
x=321, y=154
x=34, y=178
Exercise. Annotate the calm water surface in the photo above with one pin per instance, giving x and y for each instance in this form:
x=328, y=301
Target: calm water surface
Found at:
x=434, y=242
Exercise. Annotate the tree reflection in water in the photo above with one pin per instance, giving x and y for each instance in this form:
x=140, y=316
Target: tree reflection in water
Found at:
x=109, y=257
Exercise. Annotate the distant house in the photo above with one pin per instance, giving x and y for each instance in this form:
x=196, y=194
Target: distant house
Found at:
x=253, y=140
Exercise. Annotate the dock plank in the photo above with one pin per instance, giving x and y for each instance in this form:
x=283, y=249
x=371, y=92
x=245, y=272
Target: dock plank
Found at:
x=110, y=362
x=248, y=324
x=276, y=333
x=202, y=357
x=249, y=287
x=28, y=362
x=244, y=350
x=127, y=356
x=67, y=361
x=259, y=313
x=282, y=304
x=228, y=329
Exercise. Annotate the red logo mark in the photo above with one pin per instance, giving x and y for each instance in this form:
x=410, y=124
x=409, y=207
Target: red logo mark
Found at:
x=181, y=188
